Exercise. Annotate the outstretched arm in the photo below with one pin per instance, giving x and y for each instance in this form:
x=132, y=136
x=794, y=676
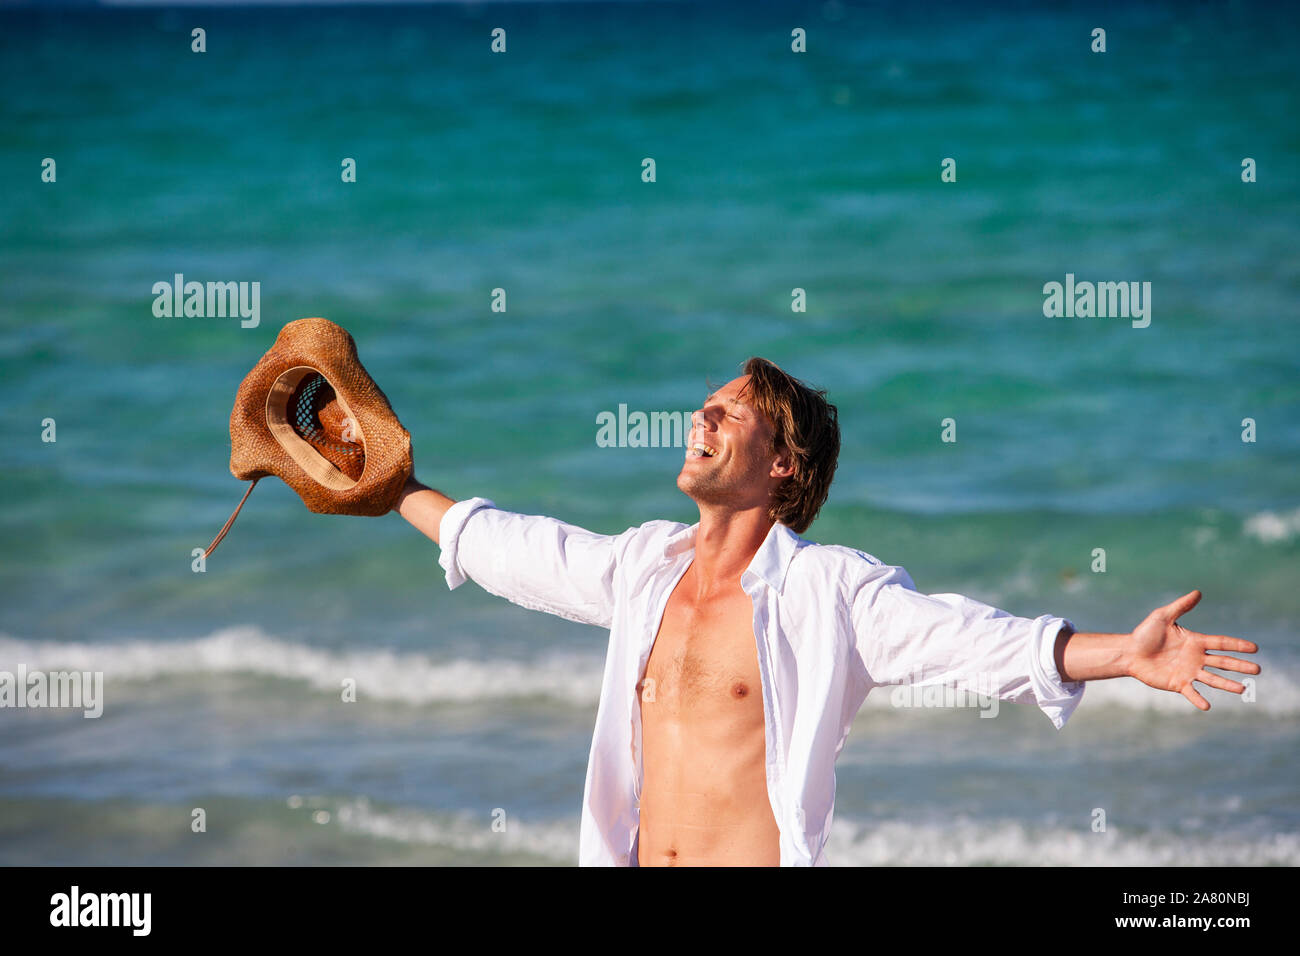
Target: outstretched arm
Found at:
x=902, y=636
x=423, y=507
x=530, y=560
x=1160, y=653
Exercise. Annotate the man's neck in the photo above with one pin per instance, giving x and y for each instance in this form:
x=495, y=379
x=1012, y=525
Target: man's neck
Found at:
x=725, y=544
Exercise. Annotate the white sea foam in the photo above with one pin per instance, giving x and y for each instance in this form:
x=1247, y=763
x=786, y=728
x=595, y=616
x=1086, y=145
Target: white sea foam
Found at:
x=554, y=840
x=853, y=842
x=966, y=842
x=571, y=678
x=1272, y=527
x=380, y=674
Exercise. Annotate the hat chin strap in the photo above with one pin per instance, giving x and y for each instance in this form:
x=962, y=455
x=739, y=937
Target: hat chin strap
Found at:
x=229, y=521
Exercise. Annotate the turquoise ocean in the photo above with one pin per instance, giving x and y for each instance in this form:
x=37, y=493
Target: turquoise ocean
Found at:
x=522, y=171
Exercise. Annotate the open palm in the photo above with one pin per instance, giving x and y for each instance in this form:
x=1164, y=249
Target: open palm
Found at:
x=1168, y=656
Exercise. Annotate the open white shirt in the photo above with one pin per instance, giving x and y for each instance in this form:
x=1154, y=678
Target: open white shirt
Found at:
x=830, y=623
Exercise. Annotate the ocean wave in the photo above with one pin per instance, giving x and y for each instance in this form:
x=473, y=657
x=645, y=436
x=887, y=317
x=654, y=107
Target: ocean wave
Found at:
x=857, y=842
x=967, y=842
x=380, y=674
x=570, y=678
x=1272, y=527
x=492, y=832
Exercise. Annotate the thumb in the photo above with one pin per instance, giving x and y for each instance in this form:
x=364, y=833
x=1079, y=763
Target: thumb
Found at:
x=1183, y=604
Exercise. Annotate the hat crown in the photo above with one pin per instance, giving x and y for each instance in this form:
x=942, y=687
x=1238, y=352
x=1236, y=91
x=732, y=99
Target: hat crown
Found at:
x=310, y=414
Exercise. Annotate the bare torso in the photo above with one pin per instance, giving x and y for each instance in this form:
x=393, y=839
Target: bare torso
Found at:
x=704, y=794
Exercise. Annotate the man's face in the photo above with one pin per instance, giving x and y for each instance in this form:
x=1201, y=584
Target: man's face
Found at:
x=729, y=456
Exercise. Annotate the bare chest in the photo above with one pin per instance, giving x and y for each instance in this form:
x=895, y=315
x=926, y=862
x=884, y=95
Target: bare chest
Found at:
x=704, y=656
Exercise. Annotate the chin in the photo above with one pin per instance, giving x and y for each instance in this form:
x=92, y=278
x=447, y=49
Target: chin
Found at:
x=688, y=485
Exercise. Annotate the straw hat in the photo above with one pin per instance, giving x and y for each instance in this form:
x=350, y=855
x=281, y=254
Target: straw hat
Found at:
x=309, y=414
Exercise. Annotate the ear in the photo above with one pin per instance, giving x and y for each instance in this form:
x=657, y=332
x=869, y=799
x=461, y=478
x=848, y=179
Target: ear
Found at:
x=783, y=464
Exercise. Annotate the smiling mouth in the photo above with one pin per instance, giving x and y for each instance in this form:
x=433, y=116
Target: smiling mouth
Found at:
x=701, y=450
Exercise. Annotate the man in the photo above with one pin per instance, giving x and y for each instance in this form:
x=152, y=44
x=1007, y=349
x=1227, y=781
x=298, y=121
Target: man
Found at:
x=739, y=653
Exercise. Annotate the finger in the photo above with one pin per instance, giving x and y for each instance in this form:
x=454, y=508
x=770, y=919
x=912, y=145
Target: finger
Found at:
x=1231, y=664
x=1199, y=702
x=1222, y=642
x=1214, y=680
x=1183, y=604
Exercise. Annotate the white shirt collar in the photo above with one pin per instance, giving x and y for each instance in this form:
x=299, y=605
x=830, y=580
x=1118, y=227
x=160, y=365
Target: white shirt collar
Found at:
x=771, y=561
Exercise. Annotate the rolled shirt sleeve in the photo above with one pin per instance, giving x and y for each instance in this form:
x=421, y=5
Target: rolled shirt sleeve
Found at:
x=905, y=637
x=530, y=560
x=449, y=529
